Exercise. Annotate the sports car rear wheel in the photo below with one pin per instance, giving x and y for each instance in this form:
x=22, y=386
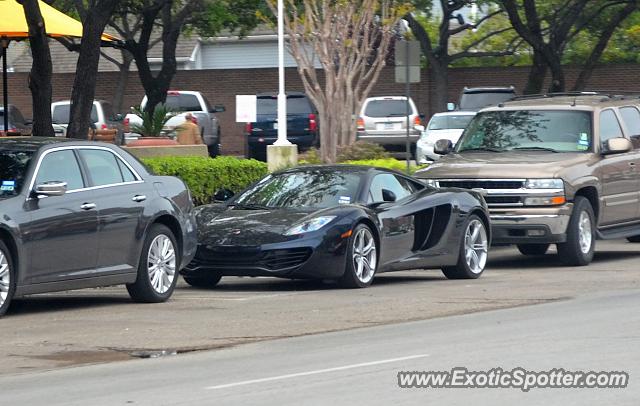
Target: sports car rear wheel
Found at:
x=362, y=259
x=473, y=251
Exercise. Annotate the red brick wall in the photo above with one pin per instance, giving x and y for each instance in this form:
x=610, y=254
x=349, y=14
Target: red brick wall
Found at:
x=221, y=86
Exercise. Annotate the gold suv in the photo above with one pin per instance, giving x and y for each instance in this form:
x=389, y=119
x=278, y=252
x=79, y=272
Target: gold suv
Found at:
x=554, y=169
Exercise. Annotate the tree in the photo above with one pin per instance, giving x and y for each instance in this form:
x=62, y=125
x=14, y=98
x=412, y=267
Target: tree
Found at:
x=436, y=46
x=41, y=70
x=94, y=15
x=350, y=40
x=138, y=22
x=549, y=26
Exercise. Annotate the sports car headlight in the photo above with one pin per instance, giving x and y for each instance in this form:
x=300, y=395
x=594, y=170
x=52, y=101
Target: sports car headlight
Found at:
x=544, y=184
x=310, y=225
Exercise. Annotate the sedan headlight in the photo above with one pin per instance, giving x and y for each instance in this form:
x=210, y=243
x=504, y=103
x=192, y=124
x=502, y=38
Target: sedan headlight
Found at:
x=544, y=184
x=310, y=225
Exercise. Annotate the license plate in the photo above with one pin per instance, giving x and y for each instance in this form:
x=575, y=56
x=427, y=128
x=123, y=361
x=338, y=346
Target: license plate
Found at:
x=388, y=126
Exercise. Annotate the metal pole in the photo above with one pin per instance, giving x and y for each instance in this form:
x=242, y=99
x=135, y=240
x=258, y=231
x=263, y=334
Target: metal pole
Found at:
x=5, y=92
x=282, y=97
x=408, y=93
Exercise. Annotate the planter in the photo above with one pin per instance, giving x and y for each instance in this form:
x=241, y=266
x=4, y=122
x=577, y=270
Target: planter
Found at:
x=152, y=141
x=103, y=135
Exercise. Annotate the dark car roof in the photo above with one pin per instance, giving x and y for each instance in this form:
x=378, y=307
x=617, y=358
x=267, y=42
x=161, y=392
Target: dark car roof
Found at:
x=29, y=143
x=358, y=169
x=470, y=90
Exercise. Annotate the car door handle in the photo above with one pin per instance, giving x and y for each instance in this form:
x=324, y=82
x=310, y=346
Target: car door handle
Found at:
x=139, y=198
x=88, y=206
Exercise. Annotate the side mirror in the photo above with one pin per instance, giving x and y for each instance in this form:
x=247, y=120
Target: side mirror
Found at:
x=451, y=106
x=443, y=147
x=616, y=146
x=388, y=196
x=218, y=108
x=223, y=195
x=54, y=188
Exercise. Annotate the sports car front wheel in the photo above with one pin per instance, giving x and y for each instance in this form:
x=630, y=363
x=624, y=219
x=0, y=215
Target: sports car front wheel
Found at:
x=362, y=258
x=473, y=251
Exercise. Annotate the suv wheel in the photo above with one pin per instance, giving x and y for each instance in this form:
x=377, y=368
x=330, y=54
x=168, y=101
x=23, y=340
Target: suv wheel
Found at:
x=581, y=235
x=533, y=249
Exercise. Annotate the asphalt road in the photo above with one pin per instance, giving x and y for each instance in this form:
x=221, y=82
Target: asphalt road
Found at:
x=600, y=332
x=67, y=329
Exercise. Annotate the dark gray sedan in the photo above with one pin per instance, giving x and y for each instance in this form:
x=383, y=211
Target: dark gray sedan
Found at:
x=78, y=214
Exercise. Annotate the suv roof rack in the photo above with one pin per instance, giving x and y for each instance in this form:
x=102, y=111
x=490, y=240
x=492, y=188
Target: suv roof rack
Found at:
x=605, y=94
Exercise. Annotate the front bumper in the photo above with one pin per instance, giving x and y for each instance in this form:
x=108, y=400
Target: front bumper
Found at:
x=530, y=225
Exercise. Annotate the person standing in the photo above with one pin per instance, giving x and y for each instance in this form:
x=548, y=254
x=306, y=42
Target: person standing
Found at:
x=189, y=132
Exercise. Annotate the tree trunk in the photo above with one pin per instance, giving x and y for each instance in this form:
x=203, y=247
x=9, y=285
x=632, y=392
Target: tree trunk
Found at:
x=123, y=81
x=537, y=73
x=41, y=70
x=439, y=73
x=84, y=85
x=557, y=75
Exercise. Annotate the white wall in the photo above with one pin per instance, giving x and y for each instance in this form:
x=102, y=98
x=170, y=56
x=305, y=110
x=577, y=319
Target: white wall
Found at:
x=241, y=54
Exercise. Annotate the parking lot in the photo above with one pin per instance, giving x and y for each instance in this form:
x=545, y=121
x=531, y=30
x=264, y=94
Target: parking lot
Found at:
x=101, y=325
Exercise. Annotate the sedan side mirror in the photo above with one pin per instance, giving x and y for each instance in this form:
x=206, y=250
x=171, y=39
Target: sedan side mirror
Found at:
x=223, y=195
x=616, y=146
x=443, y=147
x=54, y=188
x=388, y=195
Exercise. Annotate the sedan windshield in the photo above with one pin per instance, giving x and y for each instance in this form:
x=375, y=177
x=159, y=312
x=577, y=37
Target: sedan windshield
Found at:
x=541, y=130
x=13, y=169
x=310, y=189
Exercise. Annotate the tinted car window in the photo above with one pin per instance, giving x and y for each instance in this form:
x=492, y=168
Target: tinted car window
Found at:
x=60, y=166
x=313, y=189
x=13, y=167
x=449, y=122
x=609, y=126
x=103, y=166
x=62, y=112
x=390, y=182
x=563, y=131
x=387, y=108
x=182, y=102
x=476, y=101
x=268, y=105
x=631, y=119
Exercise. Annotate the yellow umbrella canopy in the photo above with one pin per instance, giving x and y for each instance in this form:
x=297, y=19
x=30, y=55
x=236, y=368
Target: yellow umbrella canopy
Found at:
x=13, y=24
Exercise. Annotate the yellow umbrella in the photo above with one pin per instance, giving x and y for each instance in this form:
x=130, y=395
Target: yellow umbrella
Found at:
x=13, y=26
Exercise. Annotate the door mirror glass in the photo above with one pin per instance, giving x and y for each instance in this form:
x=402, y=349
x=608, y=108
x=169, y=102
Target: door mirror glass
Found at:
x=223, y=195
x=616, y=146
x=388, y=196
x=443, y=147
x=52, y=188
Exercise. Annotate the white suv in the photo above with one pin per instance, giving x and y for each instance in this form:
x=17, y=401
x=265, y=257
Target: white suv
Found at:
x=383, y=120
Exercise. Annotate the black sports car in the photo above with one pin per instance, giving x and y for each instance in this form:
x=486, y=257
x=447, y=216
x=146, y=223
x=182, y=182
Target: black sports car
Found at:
x=340, y=222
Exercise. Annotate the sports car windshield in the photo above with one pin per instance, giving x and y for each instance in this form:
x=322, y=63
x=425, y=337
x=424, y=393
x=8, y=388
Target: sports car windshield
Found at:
x=310, y=189
x=557, y=131
x=13, y=168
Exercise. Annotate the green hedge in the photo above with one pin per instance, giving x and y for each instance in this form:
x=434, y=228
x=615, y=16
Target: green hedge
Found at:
x=205, y=176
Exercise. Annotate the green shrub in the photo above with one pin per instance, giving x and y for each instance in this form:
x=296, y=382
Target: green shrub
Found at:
x=389, y=163
x=311, y=157
x=205, y=176
x=361, y=150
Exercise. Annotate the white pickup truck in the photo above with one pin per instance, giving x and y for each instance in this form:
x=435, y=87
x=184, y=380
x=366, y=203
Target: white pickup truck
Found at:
x=183, y=102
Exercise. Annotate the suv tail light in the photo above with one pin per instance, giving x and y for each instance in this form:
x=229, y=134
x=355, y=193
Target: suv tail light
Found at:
x=360, y=124
x=313, y=124
x=248, y=128
x=417, y=121
x=104, y=127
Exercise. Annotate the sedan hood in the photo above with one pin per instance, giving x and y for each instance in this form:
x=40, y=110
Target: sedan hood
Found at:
x=510, y=164
x=218, y=225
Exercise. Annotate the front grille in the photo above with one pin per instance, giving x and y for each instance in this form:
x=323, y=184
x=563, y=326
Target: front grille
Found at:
x=273, y=260
x=482, y=184
x=503, y=200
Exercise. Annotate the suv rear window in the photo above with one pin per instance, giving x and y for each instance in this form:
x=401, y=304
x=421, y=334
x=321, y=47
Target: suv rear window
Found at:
x=182, y=102
x=479, y=100
x=62, y=113
x=268, y=105
x=387, y=108
x=562, y=131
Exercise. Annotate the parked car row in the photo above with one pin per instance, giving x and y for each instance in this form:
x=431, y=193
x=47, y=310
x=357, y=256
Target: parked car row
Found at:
x=81, y=214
